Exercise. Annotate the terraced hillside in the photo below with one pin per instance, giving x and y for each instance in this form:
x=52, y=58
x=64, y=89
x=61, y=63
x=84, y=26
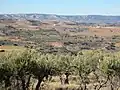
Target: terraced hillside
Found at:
x=50, y=36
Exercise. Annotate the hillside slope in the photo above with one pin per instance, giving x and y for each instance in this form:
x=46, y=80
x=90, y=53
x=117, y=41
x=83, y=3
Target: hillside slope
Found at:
x=77, y=18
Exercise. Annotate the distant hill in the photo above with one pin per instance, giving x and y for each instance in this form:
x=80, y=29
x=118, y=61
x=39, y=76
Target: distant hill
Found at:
x=76, y=18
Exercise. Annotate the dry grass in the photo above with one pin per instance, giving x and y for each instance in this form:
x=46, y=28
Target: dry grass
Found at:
x=117, y=44
x=105, y=31
x=11, y=48
x=55, y=84
x=3, y=38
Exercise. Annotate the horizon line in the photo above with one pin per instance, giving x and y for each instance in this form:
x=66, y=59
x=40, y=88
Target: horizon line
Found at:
x=64, y=14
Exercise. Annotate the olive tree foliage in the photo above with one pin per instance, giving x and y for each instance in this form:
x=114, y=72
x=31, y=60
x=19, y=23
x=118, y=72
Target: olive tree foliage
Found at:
x=43, y=66
x=6, y=70
x=65, y=63
x=110, y=66
x=95, y=68
x=86, y=63
x=17, y=68
x=104, y=67
x=21, y=68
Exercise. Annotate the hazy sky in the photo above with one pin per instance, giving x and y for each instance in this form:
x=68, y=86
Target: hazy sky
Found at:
x=65, y=7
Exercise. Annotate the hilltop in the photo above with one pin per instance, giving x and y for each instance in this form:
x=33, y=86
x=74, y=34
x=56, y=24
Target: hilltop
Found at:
x=74, y=18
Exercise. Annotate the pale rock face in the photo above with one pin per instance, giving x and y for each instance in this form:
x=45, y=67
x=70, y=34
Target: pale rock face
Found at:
x=56, y=44
x=77, y=18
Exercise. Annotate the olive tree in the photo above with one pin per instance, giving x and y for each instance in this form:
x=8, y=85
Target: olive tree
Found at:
x=14, y=68
x=110, y=66
x=22, y=66
x=86, y=62
x=43, y=66
x=66, y=66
